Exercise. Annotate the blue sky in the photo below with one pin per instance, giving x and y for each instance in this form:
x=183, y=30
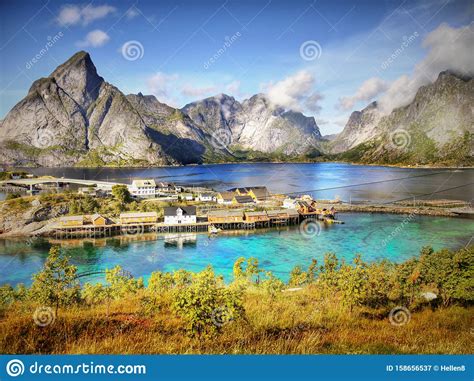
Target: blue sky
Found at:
x=325, y=58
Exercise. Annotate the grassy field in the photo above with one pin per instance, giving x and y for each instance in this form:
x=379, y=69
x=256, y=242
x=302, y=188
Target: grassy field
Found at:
x=292, y=323
x=332, y=308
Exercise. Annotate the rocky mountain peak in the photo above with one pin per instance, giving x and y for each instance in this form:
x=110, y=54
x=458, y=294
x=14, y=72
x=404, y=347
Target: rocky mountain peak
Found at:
x=78, y=77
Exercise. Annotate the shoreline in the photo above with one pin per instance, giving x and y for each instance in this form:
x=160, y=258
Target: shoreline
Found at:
x=433, y=166
x=41, y=227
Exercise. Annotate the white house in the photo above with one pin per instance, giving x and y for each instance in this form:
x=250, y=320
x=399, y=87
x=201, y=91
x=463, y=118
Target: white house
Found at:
x=186, y=196
x=289, y=203
x=206, y=197
x=180, y=215
x=143, y=188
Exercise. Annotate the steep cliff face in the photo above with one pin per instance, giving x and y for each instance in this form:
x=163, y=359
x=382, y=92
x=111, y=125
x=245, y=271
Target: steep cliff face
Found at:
x=74, y=117
x=361, y=126
x=256, y=124
x=436, y=127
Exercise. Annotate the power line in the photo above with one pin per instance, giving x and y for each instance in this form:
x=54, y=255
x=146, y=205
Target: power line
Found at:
x=367, y=183
x=429, y=194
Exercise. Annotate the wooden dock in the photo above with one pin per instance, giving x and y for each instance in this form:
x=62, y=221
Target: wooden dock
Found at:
x=102, y=231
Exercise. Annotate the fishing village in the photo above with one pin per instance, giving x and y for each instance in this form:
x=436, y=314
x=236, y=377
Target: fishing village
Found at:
x=191, y=209
x=180, y=209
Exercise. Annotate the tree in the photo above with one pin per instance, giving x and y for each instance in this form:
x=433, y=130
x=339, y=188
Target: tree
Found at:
x=207, y=304
x=250, y=272
x=121, y=194
x=56, y=284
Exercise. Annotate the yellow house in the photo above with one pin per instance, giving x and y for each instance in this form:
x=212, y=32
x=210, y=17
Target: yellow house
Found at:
x=259, y=194
x=72, y=221
x=225, y=216
x=256, y=216
x=225, y=198
x=138, y=217
x=98, y=220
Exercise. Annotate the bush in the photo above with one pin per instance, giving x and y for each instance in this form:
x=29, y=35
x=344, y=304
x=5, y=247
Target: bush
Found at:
x=206, y=305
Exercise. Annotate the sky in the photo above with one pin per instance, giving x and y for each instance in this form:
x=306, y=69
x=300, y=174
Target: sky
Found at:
x=323, y=58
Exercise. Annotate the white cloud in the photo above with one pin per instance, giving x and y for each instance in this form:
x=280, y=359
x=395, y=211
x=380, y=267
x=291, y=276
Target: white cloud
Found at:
x=95, y=39
x=199, y=92
x=233, y=88
x=448, y=48
x=132, y=13
x=295, y=92
x=74, y=14
x=366, y=92
x=161, y=85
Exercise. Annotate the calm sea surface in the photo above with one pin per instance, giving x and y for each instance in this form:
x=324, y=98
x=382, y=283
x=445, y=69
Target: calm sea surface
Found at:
x=313, y=178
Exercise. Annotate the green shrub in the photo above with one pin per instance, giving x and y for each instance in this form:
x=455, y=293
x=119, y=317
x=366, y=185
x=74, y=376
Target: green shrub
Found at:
x=206, y=304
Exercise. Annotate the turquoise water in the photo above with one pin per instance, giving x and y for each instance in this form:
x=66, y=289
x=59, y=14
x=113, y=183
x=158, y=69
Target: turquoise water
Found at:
x=277, y=250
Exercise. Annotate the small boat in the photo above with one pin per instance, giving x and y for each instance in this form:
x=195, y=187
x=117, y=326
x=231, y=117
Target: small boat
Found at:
x=214, y=230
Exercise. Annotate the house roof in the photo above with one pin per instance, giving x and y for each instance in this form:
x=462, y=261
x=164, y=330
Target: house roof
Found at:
x=243, y=199
x=187, y=210
x=304, y=203
x=225, y=213
x=260, y=192
x=227, y=196
x=144, y=183
x=164, y=184
x=288, y=212
x=72, y=218
x=256, y=214
x=138, y=214
x=241, y=190
x=206, y=195
x=96, y=216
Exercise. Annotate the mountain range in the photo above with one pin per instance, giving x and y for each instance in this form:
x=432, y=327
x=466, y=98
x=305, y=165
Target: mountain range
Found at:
x=75, y=118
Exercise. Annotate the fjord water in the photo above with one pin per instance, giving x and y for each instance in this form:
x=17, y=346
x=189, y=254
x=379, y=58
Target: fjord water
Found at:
x=375, y=236
x=314, y=178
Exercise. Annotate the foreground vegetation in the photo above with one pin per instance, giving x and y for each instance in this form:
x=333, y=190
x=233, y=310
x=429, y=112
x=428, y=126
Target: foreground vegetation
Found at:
x=333, y=307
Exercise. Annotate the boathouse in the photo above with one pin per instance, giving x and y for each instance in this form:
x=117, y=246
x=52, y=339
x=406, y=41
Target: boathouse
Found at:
x=180, y=215
x=71, y=221
x=256, y=216
x=98, y=220
x=225, y=216
x=138, y=218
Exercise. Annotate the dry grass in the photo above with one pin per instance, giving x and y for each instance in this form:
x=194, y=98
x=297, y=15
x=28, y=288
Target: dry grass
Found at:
x=299, y=322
